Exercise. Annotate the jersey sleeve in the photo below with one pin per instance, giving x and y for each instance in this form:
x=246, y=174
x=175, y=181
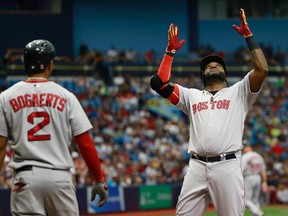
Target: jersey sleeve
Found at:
x=245, y=94
x=78, y=119
x=184, y=94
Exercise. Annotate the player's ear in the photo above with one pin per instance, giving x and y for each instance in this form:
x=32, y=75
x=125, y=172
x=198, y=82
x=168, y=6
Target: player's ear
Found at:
x=50, y=67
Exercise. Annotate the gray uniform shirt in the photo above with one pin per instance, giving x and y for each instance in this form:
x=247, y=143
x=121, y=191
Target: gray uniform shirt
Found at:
x=253, y=164
x=40, y=119
x=216, y=121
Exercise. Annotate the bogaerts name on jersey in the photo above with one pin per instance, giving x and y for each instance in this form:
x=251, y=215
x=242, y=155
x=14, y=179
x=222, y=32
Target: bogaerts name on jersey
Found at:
x=220, y=104
x=38, y=100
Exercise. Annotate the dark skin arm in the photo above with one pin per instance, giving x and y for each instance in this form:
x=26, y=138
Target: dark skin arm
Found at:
x=260, y=71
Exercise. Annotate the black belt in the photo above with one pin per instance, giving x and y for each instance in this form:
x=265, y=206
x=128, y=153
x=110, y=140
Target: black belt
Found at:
x=214, y=158
x=30, y=168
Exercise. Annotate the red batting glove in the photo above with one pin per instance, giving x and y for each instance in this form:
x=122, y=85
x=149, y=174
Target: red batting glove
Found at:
x=173, y=43
x=244, y=28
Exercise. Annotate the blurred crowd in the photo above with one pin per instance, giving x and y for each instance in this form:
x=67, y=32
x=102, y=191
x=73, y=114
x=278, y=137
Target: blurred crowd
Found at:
x=138, y=146
x=276, y=56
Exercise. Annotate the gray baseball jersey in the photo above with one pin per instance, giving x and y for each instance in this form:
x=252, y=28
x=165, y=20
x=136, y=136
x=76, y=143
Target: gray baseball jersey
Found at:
x=40, y=119
x=253, y=164
x=216, y=121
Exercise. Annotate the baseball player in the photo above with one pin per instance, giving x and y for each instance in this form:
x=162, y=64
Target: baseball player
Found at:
x=216, y=116
x=40, y=118
x=254, y=172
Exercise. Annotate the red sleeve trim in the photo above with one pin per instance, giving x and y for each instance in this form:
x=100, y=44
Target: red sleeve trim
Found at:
x=36, y=81
x=90, y=155
x=174, y=97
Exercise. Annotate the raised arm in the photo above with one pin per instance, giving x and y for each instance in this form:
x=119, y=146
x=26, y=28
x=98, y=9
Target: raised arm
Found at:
x=160, y=82
x=259, y=73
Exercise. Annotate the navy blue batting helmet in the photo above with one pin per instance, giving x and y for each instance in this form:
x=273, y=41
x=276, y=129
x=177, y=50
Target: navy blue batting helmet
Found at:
x=37, y=55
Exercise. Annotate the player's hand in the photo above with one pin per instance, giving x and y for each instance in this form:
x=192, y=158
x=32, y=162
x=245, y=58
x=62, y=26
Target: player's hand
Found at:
x=265, y=187
x=101, y=189
x=173, y=43
x=244, y=28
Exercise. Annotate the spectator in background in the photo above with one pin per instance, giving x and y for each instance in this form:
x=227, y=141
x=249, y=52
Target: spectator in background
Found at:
x=84, y=54
x=101, y=69
x=112, y=55
x=280, y=56
x=149, y=57
x=282, y=193
x=12, y=55
x=193, y=57
x=122, y=57
x=130, y=56
x=6, y=174
x=242, y=56
x=116, y=181
x=151, y=172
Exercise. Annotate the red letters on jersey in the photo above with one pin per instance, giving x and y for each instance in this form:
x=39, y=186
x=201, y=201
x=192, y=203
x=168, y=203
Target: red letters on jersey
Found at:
x=220, y=104
x=38, y=100
x=255, y=165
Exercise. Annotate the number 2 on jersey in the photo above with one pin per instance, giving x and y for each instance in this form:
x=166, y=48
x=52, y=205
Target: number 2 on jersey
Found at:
x=32, y=132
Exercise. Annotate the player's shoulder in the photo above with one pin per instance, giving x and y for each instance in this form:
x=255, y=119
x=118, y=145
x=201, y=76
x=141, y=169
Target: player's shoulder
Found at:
x=59, y=87
x=240, y=81
x=65, y=92
x=186, y=89
x=257, y=154
x=13, y=88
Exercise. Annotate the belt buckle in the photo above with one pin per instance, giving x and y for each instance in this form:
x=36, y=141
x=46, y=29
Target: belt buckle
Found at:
x=222, y=157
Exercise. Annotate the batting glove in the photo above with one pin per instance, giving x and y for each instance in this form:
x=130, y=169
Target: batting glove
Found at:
x=101, y=189
x=173, y=43
x=244, y=28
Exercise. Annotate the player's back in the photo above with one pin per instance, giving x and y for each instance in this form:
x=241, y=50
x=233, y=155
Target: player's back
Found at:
x=253, y=163
x=38, y=116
